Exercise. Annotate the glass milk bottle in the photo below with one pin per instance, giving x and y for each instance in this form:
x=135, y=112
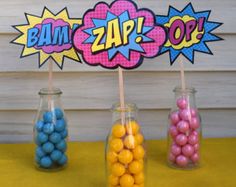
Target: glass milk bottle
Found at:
x=50, y=131
x=184, y=132
x=125, y=150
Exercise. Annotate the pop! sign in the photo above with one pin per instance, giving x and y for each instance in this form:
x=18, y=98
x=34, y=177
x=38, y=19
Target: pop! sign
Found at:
x=118, y=35
x=188, y=31
x=49, y=35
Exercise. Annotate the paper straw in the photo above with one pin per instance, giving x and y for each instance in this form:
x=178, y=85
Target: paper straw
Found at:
x=122, y=97
x=50, y=82
x=183, y=81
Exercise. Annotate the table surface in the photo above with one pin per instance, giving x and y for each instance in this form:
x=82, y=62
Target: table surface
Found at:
x=86, y=166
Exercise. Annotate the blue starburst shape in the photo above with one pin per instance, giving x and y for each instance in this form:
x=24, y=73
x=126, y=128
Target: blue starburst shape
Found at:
x=133, y=36
x=181, y=40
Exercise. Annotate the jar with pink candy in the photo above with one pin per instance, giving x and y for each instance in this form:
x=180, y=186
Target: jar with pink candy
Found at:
x=184, y=131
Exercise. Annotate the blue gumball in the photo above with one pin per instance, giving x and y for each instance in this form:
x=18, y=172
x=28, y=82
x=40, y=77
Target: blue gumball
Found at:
x=48, y=117
x=55, y=137
x=63, y=160
x=56, y=155
x=59, y=113
x=46, y=162
x=39, y=152
x=41, y=138
x=60, y=125
x=48, y=128
x=39, y=126
x=48, y=147
x=61, y=146
x=64, y=133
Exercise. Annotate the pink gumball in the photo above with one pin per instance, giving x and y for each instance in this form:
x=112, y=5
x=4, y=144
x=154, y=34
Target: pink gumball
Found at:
x=181, y=139
x=194, y=112
x=175, y=150
x=182, y=161
x=182, y=103
x=171, y=157
x=195, y=133
x=196, y=147
x=194, y=123
x=173, y=131
x=192, y=139
x=185, y=114
x=187, y=150
x=174, y=117
x=183, y=126
x=195, y=157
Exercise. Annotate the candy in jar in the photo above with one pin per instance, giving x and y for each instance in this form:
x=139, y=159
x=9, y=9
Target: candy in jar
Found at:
x=184, y=131
x=125, y=150
x=50, y=131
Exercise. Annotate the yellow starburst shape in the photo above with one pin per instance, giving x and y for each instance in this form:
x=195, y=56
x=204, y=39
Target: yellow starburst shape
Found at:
x=49, y=36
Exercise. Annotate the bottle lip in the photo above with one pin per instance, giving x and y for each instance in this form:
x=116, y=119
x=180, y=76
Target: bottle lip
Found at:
x=53, y=91
x=187, y=90
x=129, y=107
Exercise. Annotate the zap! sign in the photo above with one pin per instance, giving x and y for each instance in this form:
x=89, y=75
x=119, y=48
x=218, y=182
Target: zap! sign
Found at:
x=49, y=35
x=188, y=31
x=119, y=34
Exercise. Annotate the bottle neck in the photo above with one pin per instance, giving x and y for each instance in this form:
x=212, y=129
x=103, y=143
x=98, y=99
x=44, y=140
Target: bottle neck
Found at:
x=129, y=112
x=50, y=99
x=188, y=94
x=50, y=92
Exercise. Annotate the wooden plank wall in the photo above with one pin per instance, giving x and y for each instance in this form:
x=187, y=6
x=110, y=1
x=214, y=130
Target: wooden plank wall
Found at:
x=90, y=91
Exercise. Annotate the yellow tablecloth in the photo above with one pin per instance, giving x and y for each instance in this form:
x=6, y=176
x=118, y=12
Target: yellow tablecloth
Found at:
x=86, y=166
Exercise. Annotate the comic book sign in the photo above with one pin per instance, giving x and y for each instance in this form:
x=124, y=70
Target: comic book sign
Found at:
x=119, y=34
x=188, y=31
x=49, y=35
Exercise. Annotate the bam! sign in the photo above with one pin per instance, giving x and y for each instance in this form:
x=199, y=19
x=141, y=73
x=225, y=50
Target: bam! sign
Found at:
x=49, y=35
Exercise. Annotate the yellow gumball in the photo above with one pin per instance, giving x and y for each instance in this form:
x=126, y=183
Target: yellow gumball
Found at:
x=138, y=185
x=125, y=156
x=118, y=169
x=135, y=167
x=130, y=142
x=139, y=152
x=116, y=144
x=112, y=157
x=139, y=138
x=118, y=130
x=126, y=181
x=141, y=161
x=139, y=178
x=132, y=127
x=113, y=180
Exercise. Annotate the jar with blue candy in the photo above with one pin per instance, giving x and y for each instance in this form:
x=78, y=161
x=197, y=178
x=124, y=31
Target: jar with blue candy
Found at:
x=50, y=131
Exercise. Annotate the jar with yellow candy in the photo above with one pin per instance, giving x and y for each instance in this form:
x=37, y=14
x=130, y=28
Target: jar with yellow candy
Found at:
x=125, y=150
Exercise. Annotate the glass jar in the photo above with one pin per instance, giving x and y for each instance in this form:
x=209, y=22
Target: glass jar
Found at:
x=50, y=131
x=125, y=149
x=184, y=132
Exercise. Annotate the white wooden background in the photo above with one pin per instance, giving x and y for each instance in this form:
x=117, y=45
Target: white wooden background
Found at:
x=89, y=92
